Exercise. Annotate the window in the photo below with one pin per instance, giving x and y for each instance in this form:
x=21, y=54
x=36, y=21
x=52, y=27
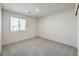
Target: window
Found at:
x=22, y=24
x=17, y=24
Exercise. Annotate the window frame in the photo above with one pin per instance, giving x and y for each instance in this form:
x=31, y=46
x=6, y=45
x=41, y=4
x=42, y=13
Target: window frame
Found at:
x=19, y=25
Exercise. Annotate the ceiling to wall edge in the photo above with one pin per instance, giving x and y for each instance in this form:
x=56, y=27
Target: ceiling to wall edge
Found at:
x=32, y=16
x=20, y=14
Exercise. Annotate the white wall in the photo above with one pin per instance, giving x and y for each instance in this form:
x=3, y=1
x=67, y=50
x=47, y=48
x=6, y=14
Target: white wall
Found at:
x=0, y=29
x=10, y=37
x=59, y=27
x=78, y=33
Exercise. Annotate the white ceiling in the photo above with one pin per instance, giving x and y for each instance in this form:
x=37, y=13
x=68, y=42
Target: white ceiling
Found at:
x=45, y=9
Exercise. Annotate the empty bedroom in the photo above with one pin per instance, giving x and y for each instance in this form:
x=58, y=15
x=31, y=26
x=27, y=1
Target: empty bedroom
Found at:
x=38, y=29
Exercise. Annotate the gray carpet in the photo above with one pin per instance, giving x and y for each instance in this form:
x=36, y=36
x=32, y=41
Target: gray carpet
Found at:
x=38, y=47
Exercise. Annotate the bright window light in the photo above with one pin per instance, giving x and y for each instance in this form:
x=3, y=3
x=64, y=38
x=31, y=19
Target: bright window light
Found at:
x=22, y=24
x=18, y=24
